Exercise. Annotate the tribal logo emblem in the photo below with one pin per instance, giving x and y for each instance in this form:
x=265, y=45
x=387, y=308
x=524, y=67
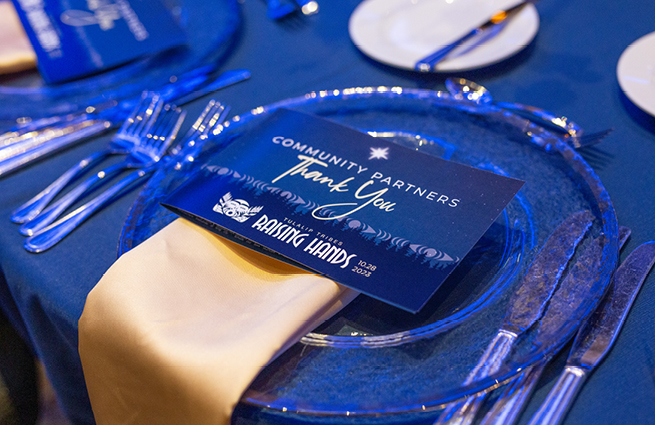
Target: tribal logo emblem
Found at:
x=238, y=209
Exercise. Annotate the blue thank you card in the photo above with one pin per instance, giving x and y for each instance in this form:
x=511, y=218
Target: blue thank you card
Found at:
x=370, y=214
x=75, y=38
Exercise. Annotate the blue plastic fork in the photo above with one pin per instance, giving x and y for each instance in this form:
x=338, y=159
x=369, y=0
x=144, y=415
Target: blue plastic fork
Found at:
x=207, y=125
x=137, y=124
x=161, y=131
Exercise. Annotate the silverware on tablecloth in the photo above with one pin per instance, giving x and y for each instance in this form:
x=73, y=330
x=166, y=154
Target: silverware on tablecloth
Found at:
x=461, y=88
x=43, y=136
x=512, y=400
x=226, y=79
x=22, y=137
x=163, y=130
x=45, y=139
x=208, y=124
x=525, y=307
x=498, y=19
x=597, y=336
x=109, y=101
x=133, y=132
x=126, y=137
x=155, y=132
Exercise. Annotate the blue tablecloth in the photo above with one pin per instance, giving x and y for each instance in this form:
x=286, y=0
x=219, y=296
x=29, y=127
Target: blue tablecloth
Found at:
x=570, y=68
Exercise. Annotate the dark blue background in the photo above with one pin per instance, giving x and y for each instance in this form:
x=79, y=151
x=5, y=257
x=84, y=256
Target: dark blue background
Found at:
x=569, y=69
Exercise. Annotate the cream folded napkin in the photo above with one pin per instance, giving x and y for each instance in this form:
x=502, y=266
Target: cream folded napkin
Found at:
x=16, y=53
x=178, y=327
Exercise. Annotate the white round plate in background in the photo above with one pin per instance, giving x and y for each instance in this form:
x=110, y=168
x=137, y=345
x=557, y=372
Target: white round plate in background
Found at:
x=401, y=32
x=636, y=73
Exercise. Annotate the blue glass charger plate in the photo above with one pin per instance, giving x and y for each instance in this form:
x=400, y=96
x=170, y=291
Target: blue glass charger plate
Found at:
x=209, y=26
x=371, y=358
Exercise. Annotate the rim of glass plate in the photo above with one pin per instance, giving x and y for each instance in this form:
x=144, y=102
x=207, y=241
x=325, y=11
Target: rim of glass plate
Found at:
x=538, y=136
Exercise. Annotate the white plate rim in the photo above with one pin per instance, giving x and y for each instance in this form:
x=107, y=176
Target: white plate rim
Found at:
x=632, y=62
x=366, y=43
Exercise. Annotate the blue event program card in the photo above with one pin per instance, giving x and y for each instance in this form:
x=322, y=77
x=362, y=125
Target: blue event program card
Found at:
x=370, y=214
x=75, y=38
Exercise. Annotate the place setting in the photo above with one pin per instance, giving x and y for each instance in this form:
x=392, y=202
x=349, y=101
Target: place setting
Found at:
x=442, y=36
x=375, y=336
x=367, y=254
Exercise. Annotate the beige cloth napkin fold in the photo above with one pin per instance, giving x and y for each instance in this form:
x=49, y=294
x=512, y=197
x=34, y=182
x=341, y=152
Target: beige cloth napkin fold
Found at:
x=178, y=328
x=16, y=53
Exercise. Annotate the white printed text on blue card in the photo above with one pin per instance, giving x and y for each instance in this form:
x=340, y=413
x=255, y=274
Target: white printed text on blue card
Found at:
x=384, y=219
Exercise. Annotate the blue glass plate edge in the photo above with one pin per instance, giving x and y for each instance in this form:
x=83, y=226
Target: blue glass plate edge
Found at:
x=540, y=137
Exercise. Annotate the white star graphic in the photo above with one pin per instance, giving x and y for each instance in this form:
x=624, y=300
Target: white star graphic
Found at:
x=379, y=153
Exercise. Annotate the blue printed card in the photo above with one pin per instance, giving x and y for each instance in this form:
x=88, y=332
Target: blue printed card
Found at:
x=75, y=38
x=378, y=217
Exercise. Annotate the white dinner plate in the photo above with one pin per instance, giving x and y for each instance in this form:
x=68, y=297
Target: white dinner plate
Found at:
x=401, y=32
x=636, y=73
